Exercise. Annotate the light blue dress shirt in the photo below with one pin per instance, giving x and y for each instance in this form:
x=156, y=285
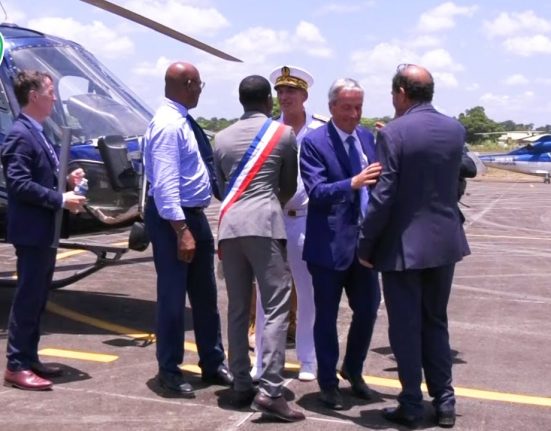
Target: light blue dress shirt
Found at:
x=174, y=168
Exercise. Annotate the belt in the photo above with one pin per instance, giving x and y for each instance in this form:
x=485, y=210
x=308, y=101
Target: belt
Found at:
x=295, y=213
x=194, y=210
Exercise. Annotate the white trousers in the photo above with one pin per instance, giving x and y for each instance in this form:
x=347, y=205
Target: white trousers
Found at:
x=306, y=354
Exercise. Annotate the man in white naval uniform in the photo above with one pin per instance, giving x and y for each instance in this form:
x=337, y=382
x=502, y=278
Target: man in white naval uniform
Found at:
x=291, y=84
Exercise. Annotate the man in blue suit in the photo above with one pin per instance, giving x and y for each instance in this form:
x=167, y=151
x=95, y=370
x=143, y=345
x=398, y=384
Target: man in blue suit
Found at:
x=337, y=165
x=31, y=169
x=413, y=234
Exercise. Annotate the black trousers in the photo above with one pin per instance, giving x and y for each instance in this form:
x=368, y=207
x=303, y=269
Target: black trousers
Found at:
x=35, y=269
x=416, y=302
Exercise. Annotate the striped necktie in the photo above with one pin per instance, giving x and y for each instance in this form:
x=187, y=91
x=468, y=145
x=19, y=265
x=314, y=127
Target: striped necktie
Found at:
x=356, y=166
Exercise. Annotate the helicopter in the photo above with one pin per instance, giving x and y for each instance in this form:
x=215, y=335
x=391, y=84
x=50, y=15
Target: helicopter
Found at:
x=97, y=117
x=532, y=159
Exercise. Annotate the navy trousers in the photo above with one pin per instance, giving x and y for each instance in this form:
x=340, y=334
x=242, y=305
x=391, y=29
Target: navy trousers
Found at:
x=362, y=289
x=176, y=278
x=35, y=269
x=416, y=302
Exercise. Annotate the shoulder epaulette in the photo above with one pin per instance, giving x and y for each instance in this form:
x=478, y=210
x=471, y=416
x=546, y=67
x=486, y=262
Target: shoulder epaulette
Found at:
x=319, y=117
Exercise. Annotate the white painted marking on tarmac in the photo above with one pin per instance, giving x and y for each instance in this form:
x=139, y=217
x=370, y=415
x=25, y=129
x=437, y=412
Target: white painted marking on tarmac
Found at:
x=535, y=238
x=516, y=275
x=335, y=421
x=135, y=397
x=243, y=420
x=510, y=295
x=476, y=217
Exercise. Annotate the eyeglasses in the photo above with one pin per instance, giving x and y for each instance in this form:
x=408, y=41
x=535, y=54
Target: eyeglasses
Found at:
x=403, y=66
x=200, y=83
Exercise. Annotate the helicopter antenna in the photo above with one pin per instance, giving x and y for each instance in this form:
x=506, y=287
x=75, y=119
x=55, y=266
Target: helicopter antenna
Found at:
x=132, y=16
x=5, y=13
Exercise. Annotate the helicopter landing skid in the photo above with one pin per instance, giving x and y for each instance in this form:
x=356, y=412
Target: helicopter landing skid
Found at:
x=105, y=256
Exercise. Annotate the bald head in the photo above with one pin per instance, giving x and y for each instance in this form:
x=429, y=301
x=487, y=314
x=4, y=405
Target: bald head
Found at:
x=416, y=83
x=411, y=85
x=183, y=84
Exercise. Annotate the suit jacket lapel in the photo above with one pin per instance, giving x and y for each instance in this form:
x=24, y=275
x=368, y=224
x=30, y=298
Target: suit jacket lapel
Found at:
x=367, y=146
x=341, y=153
x=40, y=139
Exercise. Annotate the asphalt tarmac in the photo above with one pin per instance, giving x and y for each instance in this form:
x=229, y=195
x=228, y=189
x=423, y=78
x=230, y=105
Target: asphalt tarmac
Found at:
x=100, y=330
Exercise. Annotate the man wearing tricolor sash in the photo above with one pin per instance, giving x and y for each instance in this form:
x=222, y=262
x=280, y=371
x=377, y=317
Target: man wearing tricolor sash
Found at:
x=292, y=84
x=256, y=166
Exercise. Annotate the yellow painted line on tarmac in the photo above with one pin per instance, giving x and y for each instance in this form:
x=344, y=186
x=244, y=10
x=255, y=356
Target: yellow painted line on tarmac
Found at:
x=74, y=354
x=108, y=326
x=66, y=254
x=503, y=396
x=98, y=323
x=290, y=366
x=470, y=393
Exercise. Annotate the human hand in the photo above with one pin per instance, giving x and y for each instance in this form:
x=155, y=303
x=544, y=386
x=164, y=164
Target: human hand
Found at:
x=73, y=202
x=186, y=245
x=365, y=263
x=367, y=176
x=75, y=177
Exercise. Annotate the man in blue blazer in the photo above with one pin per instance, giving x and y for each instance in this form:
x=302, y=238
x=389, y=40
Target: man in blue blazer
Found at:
x=413, y=234
x=31, y=168
x=337, y=165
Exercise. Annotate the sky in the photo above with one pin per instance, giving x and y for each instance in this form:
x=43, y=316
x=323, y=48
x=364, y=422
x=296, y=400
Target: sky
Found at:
x=495, y=54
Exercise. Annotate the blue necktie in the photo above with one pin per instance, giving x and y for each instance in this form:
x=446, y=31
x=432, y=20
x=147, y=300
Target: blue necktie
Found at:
x=51, y=150
x=356, y=165
x=205, y=150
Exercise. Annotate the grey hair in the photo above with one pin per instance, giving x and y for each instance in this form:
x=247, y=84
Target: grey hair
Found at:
x=343, y=84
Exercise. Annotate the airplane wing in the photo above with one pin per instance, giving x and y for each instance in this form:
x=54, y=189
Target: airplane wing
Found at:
x=167, y=31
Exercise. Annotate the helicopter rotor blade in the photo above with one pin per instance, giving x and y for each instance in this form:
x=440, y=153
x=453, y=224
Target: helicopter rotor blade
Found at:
x=132, y=16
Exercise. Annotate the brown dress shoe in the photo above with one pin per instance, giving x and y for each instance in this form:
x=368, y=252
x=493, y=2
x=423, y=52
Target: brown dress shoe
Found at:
x=46, y=370
x=276, y=407
x=26, y=380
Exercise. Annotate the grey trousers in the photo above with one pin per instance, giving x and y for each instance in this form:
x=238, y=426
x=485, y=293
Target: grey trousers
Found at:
x=264, y=259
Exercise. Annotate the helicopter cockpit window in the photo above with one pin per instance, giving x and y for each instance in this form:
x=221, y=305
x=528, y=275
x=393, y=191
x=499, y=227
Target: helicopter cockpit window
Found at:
x=90, y=102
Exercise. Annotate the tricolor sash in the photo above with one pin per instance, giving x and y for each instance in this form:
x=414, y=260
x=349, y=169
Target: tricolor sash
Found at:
x=253, y=159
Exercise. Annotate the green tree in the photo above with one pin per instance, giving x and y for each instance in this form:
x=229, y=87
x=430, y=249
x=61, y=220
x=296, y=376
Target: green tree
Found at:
x=370, y=122
x=477, y=123
x=215, y=124
x=546, y=128
x=276, y=110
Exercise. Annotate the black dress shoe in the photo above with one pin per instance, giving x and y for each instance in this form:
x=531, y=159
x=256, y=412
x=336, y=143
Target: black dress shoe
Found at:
x=445, y=418
x=44, y=370
x=332, y=398
x=276, y=407
x=359, y=387
x=175, y=382
x=399, y=416
x=241, y=399
x=222, y=377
